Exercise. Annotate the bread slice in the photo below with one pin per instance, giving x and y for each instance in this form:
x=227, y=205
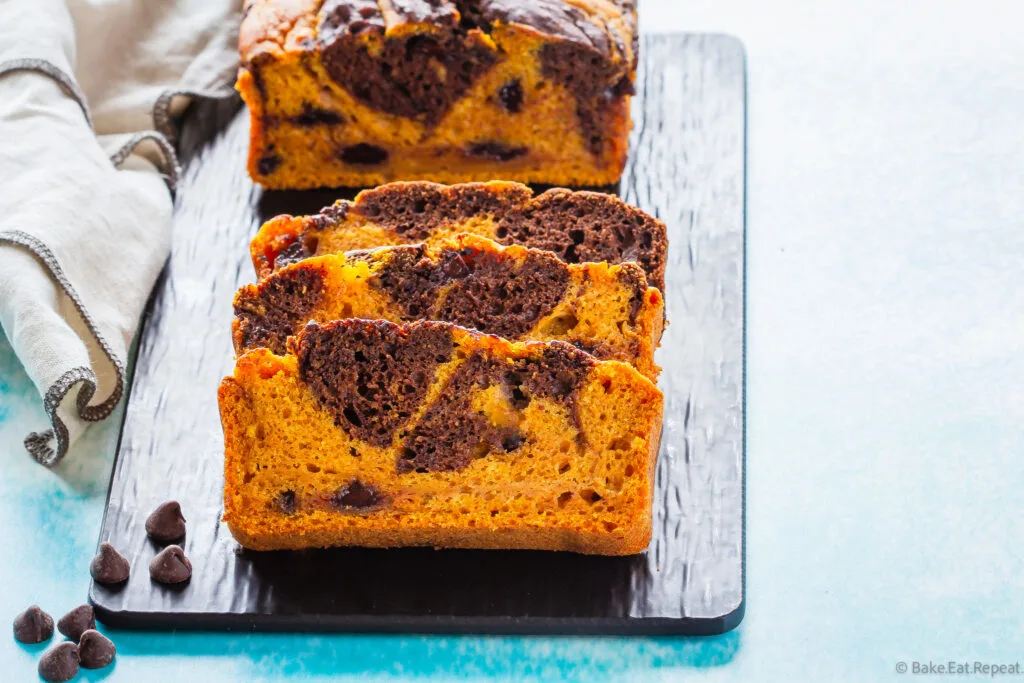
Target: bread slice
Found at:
x=369, y=433
x=515, y=292
x=577, y=226
x=358, y=92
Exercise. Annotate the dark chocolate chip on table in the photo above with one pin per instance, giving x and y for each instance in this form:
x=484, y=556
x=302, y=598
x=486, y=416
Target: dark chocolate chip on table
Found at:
x=95, y=650
x=76, y=622
x=170, y=566
x=166, y=524
x=33, y=626
x=59, y=663
x=109, y=566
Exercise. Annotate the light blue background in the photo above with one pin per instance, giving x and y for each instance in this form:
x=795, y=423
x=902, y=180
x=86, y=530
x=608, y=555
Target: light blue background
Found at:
x=885, y=390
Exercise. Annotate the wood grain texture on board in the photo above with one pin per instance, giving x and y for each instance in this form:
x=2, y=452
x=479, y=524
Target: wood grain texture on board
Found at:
x=686, y=166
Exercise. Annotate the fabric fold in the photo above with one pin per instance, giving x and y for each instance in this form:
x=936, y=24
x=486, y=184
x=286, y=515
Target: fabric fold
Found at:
x=88, y=93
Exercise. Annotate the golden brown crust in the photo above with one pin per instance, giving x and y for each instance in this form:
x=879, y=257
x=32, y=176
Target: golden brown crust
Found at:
x=277, y=26
x=273, y=27
x=615, y=20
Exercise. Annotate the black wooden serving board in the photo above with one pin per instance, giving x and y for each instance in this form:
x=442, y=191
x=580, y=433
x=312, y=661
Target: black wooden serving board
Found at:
x=686, y=166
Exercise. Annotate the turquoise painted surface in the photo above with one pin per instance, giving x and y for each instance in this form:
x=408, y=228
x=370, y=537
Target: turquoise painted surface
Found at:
x=885, y=388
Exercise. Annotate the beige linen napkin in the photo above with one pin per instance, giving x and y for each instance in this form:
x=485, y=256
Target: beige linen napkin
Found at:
x=88, y=91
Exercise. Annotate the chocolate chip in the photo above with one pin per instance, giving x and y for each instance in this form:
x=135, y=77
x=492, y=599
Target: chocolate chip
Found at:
x=364, y=155
x=286, y=502
x=358, y=27
x=511, y=96
x=337, y=15
x=76, y=622
x=293, y=253
x=268, y=164
x=166, y=524
x=623, y=88
x=312, y=116
x=109, y=566
x=33, y=626
x=495, y=151
x=518, y=399
x=472, y=17
x=512, y=442
x=95, y=650
x=357, y=496
x=421, y=45
x=170, y=566
x=59, y=663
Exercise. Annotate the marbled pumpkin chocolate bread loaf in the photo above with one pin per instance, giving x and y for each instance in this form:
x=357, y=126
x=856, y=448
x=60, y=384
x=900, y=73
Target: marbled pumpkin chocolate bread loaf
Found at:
x=513, y=292
x=373, y=434
x=577, y=226
x=359, y=92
